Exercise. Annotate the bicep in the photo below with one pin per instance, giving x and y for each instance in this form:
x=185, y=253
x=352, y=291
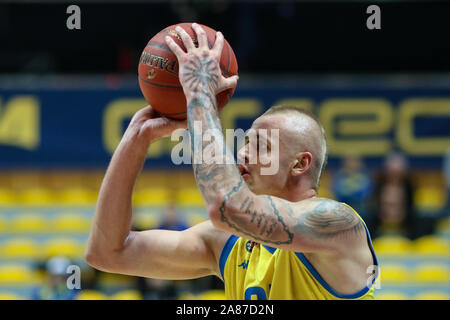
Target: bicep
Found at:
x=166, y=254
x=314, y=224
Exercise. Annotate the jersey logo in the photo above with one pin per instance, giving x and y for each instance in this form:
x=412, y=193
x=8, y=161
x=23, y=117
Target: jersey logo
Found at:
x=244, y=264
x=249, y=245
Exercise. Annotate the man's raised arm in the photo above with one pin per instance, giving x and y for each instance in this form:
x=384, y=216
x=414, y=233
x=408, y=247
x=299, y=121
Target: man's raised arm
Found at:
x=308, y=225
x=112, y=246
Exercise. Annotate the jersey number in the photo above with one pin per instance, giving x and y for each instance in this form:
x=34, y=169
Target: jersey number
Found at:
x=255, y=291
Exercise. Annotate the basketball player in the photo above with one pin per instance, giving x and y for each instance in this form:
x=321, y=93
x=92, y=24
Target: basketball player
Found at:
x=268, y=237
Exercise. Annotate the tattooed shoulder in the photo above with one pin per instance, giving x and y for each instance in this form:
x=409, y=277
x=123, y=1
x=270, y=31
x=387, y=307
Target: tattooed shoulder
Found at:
x=327, y=218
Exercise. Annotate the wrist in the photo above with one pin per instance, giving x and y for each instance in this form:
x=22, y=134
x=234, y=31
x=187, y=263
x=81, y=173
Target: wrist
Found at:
x=205, y=99
x=134, y=142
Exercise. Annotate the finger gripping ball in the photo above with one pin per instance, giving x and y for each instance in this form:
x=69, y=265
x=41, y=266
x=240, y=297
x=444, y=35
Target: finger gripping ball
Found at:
x=158, y=71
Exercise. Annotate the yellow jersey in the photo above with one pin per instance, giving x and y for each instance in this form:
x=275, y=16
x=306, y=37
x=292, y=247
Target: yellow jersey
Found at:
x=259, y=272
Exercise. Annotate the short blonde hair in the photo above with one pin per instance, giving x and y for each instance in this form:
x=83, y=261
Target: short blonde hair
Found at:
x=320, y=161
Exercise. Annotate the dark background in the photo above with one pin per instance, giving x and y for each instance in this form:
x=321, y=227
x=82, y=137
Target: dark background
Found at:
x=267, y=37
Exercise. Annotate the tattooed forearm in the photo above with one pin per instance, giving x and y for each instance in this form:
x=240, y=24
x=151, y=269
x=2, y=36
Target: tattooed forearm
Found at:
x=218, y=175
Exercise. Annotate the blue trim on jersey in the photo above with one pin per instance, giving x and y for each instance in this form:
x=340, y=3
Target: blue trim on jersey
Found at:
x=372, y=250
x=316, y=275
x=225, y=252
x=270, y=249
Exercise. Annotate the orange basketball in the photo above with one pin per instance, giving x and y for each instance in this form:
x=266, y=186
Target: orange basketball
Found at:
x=158, y=71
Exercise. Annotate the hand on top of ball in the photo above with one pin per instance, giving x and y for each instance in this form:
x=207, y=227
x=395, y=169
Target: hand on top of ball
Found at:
x=199, y=70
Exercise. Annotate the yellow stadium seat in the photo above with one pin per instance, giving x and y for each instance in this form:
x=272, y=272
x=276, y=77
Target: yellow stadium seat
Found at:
x=71, y=222
x=213, y=295
x=127, y=295
x=19, y=248
x=16, y=274
x=429, y=198
x=431, y=246
x=390, y=295
x=394, y=273
x=190, y=197
x=77, y=197
x=4, y=224
x=9, y=296
x=37, y=196
x=149, y=197
x=187, y=296
x=29, y=222
x=91, y=295
x=7, y=198
x=115, y=280
x=64, y=247
x=431, y=273
x=392, y=246
x=145, y=220
x=432, y=295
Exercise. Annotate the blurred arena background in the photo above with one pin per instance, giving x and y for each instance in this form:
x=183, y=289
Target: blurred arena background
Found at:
x=67, y=96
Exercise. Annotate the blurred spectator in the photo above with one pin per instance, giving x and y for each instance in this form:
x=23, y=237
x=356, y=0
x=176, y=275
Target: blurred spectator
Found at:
x=171, y=220
x=55, y=286
x=393, y=211
x=352, y=184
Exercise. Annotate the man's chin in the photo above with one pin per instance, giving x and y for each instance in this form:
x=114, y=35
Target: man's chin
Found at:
x=252, y=187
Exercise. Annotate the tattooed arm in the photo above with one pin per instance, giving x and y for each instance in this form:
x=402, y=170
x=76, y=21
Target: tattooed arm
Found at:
x=308, y=225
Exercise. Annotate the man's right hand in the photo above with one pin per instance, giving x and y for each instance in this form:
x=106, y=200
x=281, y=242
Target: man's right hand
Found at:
x=149, y=125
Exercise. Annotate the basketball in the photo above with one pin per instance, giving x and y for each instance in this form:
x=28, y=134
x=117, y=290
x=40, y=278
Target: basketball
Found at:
x=158, y=71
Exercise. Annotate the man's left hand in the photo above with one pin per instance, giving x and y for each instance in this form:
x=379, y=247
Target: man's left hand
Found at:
x=199, y=69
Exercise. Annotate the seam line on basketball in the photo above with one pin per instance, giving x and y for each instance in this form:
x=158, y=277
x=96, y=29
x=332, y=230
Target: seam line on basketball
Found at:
x=160, y=85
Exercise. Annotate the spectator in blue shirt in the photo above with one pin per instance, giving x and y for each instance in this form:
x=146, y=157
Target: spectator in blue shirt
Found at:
x=352, y=184
x=55, y=284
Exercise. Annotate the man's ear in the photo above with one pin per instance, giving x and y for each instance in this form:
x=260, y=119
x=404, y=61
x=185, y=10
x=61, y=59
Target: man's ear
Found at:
x=301, y=164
